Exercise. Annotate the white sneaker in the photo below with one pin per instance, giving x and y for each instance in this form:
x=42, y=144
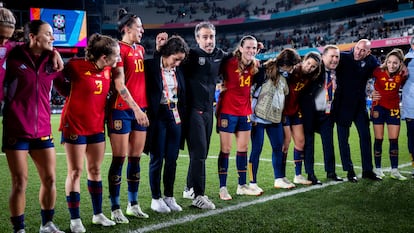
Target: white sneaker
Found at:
x=21, y=231
x=245, y=190
x=224, y=194
x=50, y=227
x=172, y=204
x=188, y=193
x=283, y=183
x=158, y=205
x=76, y=226
x=299, y=179
x=378, y=172
x=254, y=186
x=135, y=211
x=118, y=217
x=202, y=202
x=101, y=219
x=395, y=174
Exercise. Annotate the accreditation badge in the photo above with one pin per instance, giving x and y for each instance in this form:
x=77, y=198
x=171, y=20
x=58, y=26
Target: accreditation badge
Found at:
x=176, y=116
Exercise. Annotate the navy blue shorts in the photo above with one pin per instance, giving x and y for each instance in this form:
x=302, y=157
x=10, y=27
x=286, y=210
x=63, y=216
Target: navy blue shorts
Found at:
x=292, y=120
x=123, y=121
x=80, y=140
x=381, y=115
x=231, y=124
x=11, y=143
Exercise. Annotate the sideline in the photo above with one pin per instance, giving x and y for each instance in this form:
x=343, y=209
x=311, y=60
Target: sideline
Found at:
x=192, y=217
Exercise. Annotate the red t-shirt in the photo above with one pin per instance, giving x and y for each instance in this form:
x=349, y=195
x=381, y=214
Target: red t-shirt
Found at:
x=132, y=61
x=388, y=87
x=84, y=110
x=236, y=99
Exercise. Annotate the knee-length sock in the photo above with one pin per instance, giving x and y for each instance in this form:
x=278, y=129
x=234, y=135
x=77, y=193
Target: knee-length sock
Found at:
x=114, y=181
x=133, y=178
x=241, y=163
x=73, y=201
x=223, y=166
x=95, y=190
x=394, y=153
x=298, y=157
x=378, y=152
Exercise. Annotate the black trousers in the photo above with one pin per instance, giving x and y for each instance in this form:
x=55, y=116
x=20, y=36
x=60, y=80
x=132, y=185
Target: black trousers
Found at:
x=198, y=142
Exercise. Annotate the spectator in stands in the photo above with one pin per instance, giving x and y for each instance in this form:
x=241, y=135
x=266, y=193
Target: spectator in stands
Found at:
x=298, y=77
x=354, y=69
x=316, y=104
x=267, y=105
x=407, y=109
x=83, y=131
x=127, y=120
x=26, y=122
x=201, y=73
x=166, y=111
x=388, y=80
x=233, y=113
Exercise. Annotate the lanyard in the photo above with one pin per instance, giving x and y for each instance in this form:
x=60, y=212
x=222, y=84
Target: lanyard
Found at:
x=165, y=85
x=329, y=87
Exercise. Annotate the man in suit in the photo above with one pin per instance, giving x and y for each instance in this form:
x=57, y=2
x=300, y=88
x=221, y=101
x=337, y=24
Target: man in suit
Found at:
x=316, y=107
x=349, y=105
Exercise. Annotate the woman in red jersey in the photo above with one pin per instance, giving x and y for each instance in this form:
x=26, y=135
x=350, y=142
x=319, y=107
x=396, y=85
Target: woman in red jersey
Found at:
x=127, y=121
x=233, y=113
x=388, y=81
x=82, y=124
x=298, y=76
x=26, y=122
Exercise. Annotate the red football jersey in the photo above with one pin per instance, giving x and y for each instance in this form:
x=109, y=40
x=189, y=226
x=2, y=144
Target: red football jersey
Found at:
x=292, y=99
x=388, y=87
x=236, y=99
x=84, y=109
x=132, y=61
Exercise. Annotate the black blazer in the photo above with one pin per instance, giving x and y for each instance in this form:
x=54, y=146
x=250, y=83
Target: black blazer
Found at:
x=154, y=88
x=307, y=101
x=351, y=80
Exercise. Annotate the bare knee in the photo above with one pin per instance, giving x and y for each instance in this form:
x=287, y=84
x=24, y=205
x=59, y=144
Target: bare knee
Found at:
x=19, y=183
x=75, y=174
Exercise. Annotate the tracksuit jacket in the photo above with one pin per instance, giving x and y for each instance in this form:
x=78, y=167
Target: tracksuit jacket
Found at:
x=27, y=98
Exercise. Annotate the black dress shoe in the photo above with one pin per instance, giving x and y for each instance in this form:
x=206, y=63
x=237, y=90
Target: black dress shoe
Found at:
x=371, y=175
x=314, y=180
x=334, y=177
x=352, y=177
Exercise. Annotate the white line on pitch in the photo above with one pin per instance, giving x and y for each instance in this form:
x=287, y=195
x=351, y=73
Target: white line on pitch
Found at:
x=192, y=217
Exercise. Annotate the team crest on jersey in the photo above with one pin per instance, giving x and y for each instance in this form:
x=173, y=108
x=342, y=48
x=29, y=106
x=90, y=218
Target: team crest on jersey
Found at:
x=397, y=79
x=118, y=124
x=88, y=73
x=375, y=114
x=201, y=61
x=73, y=137
x=224, y=123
